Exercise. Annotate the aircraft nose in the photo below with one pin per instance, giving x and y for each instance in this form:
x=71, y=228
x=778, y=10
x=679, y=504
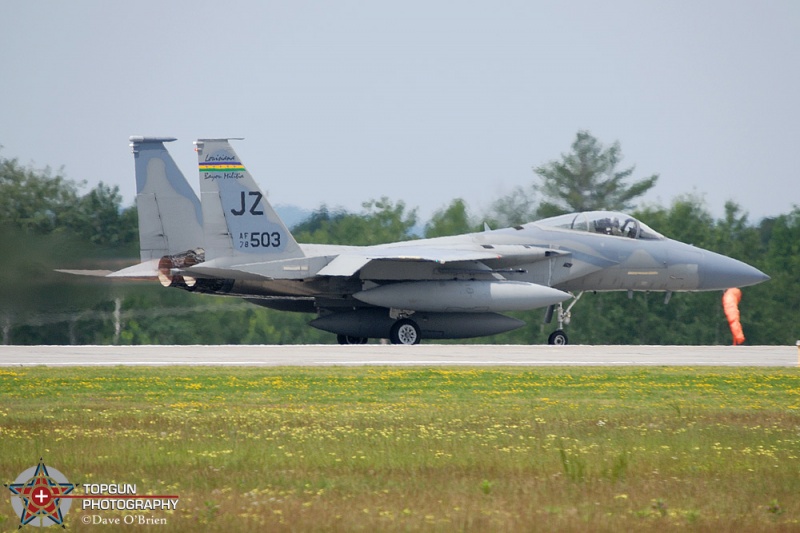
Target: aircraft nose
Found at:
x=721, y=272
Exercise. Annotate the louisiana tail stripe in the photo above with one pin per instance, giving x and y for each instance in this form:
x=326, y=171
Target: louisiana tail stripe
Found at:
x=221, y=167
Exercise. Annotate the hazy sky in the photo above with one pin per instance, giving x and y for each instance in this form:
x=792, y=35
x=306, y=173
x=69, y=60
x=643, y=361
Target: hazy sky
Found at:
x=341, y=102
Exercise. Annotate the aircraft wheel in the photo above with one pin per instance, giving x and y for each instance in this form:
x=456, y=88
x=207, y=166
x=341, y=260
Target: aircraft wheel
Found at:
x=347, y=339
x=558, y=338
x=405, y=331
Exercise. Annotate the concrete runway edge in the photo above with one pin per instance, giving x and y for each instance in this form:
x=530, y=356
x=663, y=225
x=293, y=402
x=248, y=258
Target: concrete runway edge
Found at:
x=387, y=355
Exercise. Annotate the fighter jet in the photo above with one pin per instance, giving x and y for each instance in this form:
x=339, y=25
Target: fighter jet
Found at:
x=231, y=242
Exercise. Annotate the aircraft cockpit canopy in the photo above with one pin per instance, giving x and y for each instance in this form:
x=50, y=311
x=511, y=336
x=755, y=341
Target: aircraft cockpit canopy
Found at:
x=603, y=222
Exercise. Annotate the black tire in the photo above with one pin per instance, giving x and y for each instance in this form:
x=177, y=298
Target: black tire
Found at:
x=558, y=338
x=405, y=331
x=346, y=339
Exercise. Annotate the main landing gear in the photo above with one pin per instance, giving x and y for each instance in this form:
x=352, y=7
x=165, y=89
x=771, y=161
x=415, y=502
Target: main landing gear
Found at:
x=405, y=331
x=559, y=337
x=347, y=339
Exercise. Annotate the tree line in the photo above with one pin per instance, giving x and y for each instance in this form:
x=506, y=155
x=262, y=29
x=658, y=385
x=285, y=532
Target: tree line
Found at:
x=46, y=223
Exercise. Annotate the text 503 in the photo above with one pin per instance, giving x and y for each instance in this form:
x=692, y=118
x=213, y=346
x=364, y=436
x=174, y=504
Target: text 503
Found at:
x=259, y=239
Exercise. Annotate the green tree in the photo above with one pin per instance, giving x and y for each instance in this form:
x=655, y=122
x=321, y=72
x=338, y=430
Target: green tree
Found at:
x=98, y=218
x=451, y=220
x=516, y=208
x=587, y=179
x=770, y=310
x=45, y=225
x=39, y=202
x=687, y=220
x=33, y=200
x=381, y=221
x=319, y=221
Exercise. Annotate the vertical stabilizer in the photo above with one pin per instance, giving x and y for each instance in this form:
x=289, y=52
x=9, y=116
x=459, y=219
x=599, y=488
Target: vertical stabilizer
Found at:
x=170, y=215
x=239, y=221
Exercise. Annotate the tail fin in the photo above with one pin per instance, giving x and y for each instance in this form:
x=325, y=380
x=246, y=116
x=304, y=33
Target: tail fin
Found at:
x=239, y=221
x=170, y=215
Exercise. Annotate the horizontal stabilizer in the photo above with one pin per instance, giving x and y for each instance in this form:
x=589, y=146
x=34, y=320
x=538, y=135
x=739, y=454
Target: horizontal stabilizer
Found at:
x=146, y=270
x=90, y=273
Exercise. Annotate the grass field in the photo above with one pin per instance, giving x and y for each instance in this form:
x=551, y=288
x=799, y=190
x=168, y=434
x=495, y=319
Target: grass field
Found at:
x=445, y=449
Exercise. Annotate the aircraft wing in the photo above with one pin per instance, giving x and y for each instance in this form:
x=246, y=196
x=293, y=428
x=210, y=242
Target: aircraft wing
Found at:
x=349, y=264
x=508, y=255
x=344, y=264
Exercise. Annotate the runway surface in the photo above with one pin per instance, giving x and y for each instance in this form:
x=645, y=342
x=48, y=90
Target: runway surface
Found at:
x=420, y=355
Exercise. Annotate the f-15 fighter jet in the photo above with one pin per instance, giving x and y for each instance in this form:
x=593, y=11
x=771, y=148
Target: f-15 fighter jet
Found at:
x=231, y=242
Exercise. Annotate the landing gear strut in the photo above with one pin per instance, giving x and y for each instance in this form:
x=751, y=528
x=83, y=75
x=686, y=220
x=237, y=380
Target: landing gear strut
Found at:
x=558, y=337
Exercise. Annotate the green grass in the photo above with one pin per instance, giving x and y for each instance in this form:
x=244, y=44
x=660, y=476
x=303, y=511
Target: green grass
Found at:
x=376, y=449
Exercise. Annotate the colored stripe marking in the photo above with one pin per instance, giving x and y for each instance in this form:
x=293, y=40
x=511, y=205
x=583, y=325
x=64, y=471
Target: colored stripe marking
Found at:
x=217, y=167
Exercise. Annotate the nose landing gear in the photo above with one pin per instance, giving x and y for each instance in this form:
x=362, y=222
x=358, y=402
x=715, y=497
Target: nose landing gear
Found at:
x=559, y=337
